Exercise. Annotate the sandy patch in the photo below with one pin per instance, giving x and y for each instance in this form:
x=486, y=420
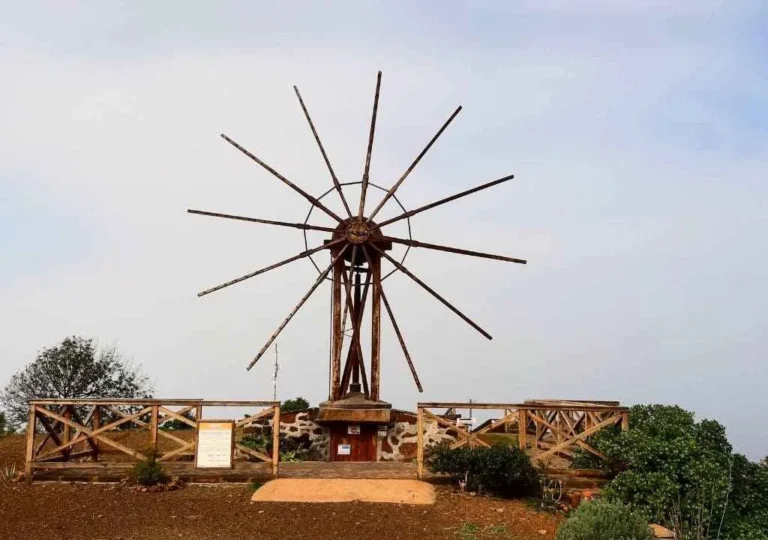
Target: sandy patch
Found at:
x=317, y=490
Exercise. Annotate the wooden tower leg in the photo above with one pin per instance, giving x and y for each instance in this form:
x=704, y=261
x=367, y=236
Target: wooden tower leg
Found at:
x=337, y=329
x=375, y=327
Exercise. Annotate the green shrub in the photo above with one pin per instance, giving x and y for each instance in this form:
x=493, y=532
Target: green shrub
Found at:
x=295, y=404
x=149, y=472
x=501, y=469
x=683, y=474
x=604, y=520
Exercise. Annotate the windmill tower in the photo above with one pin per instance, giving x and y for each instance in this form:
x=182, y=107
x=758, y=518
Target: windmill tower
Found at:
x=358, y=245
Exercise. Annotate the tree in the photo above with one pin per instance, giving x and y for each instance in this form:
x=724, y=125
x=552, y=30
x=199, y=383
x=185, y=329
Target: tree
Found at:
x=683, y=473
x=75, y=368
x=295, y=404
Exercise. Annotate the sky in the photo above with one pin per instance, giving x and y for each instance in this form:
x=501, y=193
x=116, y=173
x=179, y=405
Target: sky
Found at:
x=637, y=133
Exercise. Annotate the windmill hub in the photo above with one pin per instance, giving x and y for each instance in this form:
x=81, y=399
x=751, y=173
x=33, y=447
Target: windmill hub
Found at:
x=359, y=230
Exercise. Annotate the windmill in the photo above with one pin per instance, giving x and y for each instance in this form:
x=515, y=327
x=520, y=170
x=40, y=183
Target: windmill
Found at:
x=358, y=244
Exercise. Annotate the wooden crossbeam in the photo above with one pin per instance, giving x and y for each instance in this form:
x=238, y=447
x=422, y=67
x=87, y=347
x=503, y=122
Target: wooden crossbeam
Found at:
x=95, y=433
x=251, y=452
x=78, y=433
x=175, y=453
x=141, y=423
x=566, y=436
x=510, y=417
x=177, y=416
x=459, y=429
x=51, y=429
x=254, y=417
x=580, y=437
x=182, y=411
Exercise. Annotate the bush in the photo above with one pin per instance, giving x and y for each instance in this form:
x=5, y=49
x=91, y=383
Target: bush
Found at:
x=683, y=474
x=604, y=520
x=295, y=404
x=501, y=469
x=149, y=472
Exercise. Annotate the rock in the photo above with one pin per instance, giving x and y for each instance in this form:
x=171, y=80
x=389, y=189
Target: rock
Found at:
x=542, y=531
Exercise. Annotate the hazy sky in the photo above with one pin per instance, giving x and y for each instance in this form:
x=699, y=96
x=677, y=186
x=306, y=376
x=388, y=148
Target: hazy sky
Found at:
x=638, y=134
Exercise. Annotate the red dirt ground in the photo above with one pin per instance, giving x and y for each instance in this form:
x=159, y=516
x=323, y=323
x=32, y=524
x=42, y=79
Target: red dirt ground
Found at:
x=115, y=512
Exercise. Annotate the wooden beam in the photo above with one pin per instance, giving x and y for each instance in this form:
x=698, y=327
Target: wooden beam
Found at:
x=253, y=453
x=141, y=423
x=153, y=429
x=376, y=329
x=565, y=436
x=245, y=421
x=581, y=436
x=31, y=427
x=51, y=432
x=179, y=417
x=177, y=452
x=459, y=429
x=275, y=440
x=522, y=429
x=96, y=433
x=420, y=443
x=528, y=406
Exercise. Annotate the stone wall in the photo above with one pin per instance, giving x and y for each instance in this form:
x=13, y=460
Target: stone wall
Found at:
x=400, y=442
x=398, y=445
x=300, y=425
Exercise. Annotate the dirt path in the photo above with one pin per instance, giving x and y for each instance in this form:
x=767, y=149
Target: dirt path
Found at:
x=314, y=490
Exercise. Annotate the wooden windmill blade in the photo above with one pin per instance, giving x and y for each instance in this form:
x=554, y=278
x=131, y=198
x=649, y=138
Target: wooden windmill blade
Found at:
x=358, y=246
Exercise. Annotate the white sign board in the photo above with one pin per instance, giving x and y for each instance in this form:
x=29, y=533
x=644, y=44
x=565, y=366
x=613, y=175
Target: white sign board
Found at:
x=344, y=449
x=353, y=429
x=215, y=444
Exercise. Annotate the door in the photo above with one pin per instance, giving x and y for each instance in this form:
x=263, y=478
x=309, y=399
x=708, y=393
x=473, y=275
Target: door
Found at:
x=353, y=442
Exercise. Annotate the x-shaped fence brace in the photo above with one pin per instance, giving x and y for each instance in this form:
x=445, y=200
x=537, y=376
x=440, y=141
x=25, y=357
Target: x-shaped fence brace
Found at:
x=69, y=424
x=556, y=426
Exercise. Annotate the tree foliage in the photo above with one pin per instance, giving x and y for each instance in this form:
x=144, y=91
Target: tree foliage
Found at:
x=295, y=404
x=75, y=368
x=683, y=474
x=4, y=429
x=605, y=520
x=501, y=469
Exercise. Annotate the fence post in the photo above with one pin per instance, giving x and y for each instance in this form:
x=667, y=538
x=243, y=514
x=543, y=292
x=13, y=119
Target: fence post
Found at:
x=31, y=428
x=275, y=440
x=153, y=429
x=67, y=432
x=522, y=429
x=96, y=422
x=420, y=443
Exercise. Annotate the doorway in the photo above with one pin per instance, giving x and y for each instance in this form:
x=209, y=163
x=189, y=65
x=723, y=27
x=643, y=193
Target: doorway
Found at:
x=353, y=442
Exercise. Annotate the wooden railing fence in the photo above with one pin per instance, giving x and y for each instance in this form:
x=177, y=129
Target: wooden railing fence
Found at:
x=72, y=433
x=544, y=428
